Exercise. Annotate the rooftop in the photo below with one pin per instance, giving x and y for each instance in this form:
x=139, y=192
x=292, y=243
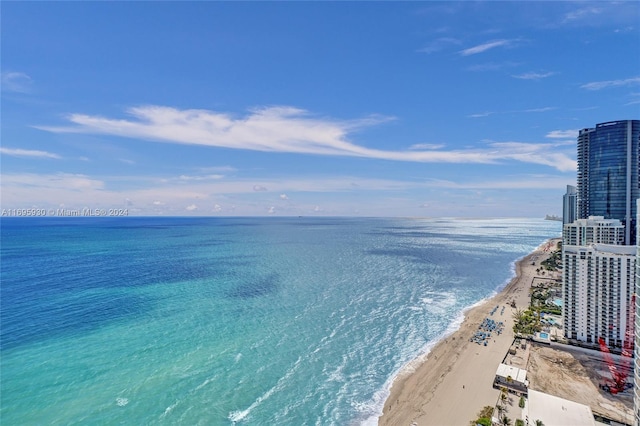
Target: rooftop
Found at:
x=555, y=411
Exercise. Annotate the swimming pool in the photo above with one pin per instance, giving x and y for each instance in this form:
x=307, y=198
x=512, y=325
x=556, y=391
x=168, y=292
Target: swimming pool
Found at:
x=544, y=335
x=557, y=302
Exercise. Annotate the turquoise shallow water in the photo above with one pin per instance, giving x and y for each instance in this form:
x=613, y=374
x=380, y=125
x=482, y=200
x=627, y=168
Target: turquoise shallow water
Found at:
x=219, y=321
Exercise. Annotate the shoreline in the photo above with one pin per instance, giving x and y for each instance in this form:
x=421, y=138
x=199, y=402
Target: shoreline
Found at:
x=453, y=380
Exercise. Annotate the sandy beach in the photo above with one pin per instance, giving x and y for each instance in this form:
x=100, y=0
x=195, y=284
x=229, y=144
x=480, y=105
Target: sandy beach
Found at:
x=455, y=380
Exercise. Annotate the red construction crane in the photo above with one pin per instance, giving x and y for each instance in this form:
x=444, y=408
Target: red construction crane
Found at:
x=621, y=372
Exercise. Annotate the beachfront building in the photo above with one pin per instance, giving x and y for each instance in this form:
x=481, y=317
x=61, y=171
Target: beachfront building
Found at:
x=512, y=378
x=595, y=229
x=569, y=205
x=636, y=363
x=608, y=164
x=598, y=285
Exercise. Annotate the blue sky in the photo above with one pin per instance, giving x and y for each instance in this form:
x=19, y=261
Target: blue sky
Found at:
x=312, y=108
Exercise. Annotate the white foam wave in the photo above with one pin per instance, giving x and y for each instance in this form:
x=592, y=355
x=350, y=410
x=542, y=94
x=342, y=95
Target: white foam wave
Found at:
x=432, y=299
x=122, y=401
x=203, y=384
x=239, y=415
x=374, y=408
x=169, y=409
x=337, y=374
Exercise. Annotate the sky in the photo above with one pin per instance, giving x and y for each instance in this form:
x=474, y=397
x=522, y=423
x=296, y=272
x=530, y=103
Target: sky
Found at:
x=395, y=109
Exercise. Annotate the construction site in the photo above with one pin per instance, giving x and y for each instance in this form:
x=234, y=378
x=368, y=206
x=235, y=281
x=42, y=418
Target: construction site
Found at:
x=592, y=375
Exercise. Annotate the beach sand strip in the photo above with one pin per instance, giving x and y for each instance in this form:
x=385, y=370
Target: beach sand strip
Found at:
x=455, y=380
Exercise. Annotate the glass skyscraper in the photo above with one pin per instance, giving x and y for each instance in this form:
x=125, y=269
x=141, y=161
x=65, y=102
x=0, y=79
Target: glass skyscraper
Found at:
x=570, y=205
x=608, y=173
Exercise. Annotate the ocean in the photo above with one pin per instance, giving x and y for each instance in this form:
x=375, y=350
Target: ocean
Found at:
x=222, y=321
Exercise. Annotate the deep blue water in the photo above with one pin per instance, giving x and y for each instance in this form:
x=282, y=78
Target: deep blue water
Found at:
x=217, y=321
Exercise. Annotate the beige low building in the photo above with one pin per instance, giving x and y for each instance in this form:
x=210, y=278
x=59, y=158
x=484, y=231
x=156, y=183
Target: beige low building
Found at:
x=512, y=378
x=555, y=411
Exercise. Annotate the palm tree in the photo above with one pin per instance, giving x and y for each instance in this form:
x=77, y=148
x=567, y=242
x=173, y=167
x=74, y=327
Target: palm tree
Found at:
x=518, y=314
x=506, y=421
x=539, y=423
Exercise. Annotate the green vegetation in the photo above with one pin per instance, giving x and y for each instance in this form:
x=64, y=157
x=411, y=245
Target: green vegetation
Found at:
x=521, y=403
x=526, y=322
x=484, y=417
x=540, y=304
x=554, y=261
x=519, y=422
x=551, y=310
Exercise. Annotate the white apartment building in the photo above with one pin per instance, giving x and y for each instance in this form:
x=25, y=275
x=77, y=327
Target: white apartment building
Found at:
x=599, y=281
x=595, y=229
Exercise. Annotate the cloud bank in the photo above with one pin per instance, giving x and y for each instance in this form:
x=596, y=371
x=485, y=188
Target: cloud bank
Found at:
x=290, y=130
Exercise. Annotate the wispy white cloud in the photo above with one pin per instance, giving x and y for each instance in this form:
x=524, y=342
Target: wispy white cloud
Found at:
x=543, y=109
x=191, y=207
x=537, y=153
x=493, y=66
x=634, y=98
x=427, y=146
x=487, y=46
x=273, y=129
x=280, y=129
x=563, y=134
x=627, y=29
x=187, y=178
x=584, y=108
x=17, y=152
x=217, y=169
x=439, y=44
x=481, y=114
x=16, y=82
x=509, y=182
x=488, y=113
x=533, y=75
x=68, y=181
x=598, y=85
x=582, y=13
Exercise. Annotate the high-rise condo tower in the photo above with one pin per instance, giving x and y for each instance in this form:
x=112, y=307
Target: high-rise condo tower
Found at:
x=608, y=166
